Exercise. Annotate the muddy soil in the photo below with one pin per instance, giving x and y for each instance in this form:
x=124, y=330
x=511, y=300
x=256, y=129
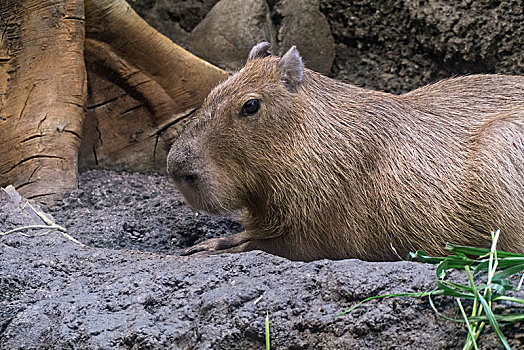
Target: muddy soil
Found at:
x=135, y=211
x=130, y=290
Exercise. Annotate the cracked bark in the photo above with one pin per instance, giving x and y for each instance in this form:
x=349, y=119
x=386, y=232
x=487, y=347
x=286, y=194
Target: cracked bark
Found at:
x=162, y=77
x=74, y=90
x=41, y=85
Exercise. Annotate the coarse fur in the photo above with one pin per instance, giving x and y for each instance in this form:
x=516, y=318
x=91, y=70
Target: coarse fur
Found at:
x=326, y=169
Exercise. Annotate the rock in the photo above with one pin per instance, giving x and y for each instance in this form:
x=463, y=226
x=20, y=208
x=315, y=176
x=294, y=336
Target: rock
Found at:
x=304, y=26
x=229, y=31
x=394, y=46
x=174, y=19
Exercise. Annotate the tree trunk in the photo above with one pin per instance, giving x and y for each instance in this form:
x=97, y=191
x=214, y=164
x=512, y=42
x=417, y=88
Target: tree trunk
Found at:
x=159, y=83
x=125, y=114
x=42, y=95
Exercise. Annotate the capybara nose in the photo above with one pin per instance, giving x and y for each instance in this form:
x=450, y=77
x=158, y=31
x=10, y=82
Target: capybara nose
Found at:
x=181, y=175
x=190, y=179
x=179, y=165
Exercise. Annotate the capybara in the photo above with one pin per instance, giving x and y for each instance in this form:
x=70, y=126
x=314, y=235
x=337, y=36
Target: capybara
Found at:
x=322, y=169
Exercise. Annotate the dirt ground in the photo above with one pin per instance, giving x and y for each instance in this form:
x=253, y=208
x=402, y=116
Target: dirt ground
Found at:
x=135, y=211
x=130, y=290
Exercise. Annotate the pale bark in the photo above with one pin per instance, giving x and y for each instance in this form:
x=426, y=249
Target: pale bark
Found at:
x=141, y=87
x=165, y=81
x=42, y=95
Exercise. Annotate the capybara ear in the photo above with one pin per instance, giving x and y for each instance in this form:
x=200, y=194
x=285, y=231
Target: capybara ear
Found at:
x=292, y=69
x=260, y=50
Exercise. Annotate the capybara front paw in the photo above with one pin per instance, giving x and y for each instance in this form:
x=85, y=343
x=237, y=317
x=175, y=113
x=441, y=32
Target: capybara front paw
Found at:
x=209, y=246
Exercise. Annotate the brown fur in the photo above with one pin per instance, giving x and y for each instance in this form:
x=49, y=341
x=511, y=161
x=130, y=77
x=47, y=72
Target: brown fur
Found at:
x=330, y=170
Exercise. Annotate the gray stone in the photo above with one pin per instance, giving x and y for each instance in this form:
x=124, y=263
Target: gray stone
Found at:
x=229, y=31
x=304, y=26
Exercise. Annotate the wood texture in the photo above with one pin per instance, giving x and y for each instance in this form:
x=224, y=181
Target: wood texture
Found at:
x=154, y=84
x=42, y=96
x=91, y=84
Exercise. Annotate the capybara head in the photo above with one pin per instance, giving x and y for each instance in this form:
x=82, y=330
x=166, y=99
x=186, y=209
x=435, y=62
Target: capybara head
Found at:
x=239, y=135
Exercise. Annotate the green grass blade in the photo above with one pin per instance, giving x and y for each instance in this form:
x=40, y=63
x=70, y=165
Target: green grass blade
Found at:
x=446, y=290
x=452, y=262
x=474, y=308
x=508, y=271
x=456, y=286
x=493, y=321
x=498, y=288
x=509, y=318
x=479, y=252
x=511, y=299
x=423, y=257
x=268, y=345
x=503, y=263
x=500, y=318
x=471, y=335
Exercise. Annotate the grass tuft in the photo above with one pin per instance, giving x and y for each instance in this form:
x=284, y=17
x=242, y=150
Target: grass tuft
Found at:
x=499, y=267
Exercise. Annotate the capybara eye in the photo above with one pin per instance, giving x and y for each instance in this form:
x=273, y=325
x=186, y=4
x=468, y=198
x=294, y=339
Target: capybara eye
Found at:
x=250, y=107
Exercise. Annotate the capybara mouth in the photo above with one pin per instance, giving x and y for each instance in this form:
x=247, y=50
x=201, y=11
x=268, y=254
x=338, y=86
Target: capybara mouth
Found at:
x=194, y=191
